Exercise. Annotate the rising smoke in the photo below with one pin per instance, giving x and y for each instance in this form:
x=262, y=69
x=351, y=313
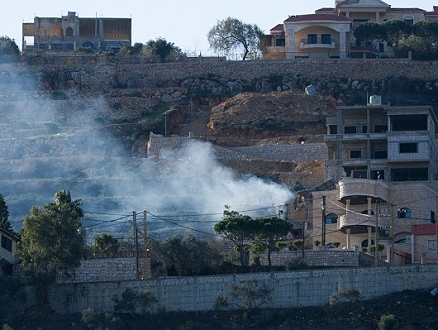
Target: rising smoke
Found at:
x=51, y=142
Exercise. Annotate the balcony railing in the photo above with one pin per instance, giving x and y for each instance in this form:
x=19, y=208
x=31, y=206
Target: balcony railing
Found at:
x=363, y=187
x=305, y=44
x=356, y=219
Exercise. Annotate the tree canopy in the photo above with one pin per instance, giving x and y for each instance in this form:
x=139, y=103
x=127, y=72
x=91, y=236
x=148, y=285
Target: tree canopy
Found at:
x=4, y=216
x=52, y=240
x=8, y=46
x=162, y=48
x=231, y=35
x=369, y=32
x=395, y=31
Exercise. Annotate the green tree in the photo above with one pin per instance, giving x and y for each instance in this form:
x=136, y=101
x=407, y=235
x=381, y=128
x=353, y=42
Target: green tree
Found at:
x=239, y=229
x=134, y=302
x=425, y=39
x=268, y=231
x=231, y=35
x=132, y=50
x=162, y=48
x=107, y=244
x=12, y=297
x=369, y=32
x=4, y=216
x=8, y=46
x=395, y=31
x=52, y=241
x=188, y=255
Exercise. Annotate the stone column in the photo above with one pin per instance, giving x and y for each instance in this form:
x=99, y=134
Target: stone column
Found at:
x=342, y=44
x=369, y=235
x=348, y=238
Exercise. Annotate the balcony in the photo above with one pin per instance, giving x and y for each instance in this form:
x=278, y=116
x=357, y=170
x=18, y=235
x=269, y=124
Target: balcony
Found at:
x=358, y=223
x=305, y=44
x=362, y=187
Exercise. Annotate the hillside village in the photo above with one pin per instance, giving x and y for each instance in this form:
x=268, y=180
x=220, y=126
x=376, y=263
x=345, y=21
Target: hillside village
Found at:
x=350, y=139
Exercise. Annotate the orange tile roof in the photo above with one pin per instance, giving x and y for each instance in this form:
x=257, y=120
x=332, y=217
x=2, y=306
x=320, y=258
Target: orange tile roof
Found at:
x=318, y=17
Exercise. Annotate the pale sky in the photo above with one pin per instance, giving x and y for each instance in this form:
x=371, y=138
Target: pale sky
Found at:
x=183, y=22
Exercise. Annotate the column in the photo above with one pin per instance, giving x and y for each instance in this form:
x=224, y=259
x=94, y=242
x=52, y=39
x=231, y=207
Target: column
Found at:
x=343, y=44
x=369, y=236
x=369, y=199
x=377, y=17
x=348, y=238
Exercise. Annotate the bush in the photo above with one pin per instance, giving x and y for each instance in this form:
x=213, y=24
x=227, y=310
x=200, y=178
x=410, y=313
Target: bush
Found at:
x=388, y=322
x=94, y=320
x=134, y=302
x=345, y=295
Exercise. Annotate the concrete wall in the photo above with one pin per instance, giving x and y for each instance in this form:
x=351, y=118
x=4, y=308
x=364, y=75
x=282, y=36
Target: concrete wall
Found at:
x=290, y=288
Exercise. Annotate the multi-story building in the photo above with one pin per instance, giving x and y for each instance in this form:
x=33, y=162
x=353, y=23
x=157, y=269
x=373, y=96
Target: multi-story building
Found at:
x=70, y=32
x=7, y=248
x=328, y=32
x=381, y=177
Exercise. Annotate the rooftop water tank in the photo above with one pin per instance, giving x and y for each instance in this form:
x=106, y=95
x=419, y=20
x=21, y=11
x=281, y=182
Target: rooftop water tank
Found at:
x=375, y=100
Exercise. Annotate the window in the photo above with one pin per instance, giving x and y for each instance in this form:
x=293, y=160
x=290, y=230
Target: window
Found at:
x=409, y=21
x=364, y=129
x=312, y=39
x=6, y=243
x=380, y=128
x=431, y=245
x=333, y=129
x=380, y=154
x=280, y=42
x=69, y=31
x=408, y=148
x=432, y=217
x=70, y=46
x=381, y=47
x=42, y=46
x=357, y=22
x=55, y=46
x=326, y=39
x=404, y=213
x=331, y=218
x=355, y=154
x=350, y=130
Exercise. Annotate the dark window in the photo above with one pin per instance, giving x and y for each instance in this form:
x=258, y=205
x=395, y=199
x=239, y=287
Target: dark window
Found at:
x=42, y=46
x=380, y=154
x=355, y=154
x=333, y=129
x=56, y=46
x=350, y=129
x=326, y=39
x=377, y=175
x=410, y=174
x=6, y=243
x=380, y=128
x=432, y=217
x=365, y=129
x=381, y=47
x=404, y=213
x=409, y=21
x=69, y=46
x=408, y=148
x=69, y=32
x=331, y=218
x=280, y=42
x=312, y=39
x=409, y=122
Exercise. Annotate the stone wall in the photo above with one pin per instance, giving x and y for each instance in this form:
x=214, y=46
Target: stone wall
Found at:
x=290, y=288
x=315, y=258
x=158, y=146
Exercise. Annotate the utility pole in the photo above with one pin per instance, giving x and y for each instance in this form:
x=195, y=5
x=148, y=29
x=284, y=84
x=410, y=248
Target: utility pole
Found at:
x=323, y=221
x=134, y=220
x=145, y=245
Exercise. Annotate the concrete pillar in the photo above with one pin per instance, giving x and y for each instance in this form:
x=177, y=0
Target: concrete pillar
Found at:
x=369, y=200
x=369, y=235
x=377, y=17
x=290, y=44
x=348, y=239
x=343, y=44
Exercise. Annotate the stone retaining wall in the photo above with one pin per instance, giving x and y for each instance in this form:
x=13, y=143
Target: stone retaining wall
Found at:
x=290, y=288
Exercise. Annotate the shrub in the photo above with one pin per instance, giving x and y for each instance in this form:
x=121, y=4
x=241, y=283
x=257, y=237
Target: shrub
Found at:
x=345, y=295
x=388, y=322
x=134, y=302
x=92, y=319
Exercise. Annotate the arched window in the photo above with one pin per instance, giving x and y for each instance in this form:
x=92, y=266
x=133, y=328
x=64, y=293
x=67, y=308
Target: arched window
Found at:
x=42, y=31
x=88, y=44
x=404, y=213
x=331, y=218
x=55, y=30
x=69, y=31
x=365, y=243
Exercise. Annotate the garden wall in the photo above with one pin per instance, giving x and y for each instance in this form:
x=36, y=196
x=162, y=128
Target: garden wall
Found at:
x=290, y=288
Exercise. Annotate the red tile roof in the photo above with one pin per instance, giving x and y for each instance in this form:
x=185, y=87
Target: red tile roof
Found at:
x=277, y=28
x=429, y=229
x=318, y=17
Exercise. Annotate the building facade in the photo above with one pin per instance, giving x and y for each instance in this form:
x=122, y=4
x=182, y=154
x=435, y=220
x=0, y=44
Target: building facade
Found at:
x=7, y=249
x=328, y=33
x=380, y=183
x=68, y=33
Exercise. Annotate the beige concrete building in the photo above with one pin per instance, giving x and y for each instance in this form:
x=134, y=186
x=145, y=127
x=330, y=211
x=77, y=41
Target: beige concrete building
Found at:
x=68, y=33
x=381, y=177
x=328, y=33
x=7, y=249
